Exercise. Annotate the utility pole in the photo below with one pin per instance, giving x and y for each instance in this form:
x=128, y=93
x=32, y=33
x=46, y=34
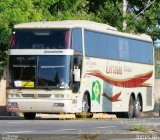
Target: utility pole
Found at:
x=124, y=14
x=148, y=5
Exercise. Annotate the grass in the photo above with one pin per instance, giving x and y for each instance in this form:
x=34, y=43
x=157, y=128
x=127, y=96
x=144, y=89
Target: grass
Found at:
x=89, y=136
x=140, y=128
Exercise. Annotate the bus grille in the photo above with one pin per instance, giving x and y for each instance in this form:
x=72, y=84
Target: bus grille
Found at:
x=44, y=95
x=38, y=96
x=28, y=95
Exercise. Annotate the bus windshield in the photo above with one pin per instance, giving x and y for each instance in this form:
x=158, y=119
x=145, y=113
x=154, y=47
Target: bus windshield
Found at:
x=40, y=71
x=40, y=39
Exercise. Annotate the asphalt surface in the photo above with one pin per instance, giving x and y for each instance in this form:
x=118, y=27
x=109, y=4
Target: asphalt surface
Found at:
x=16, y=128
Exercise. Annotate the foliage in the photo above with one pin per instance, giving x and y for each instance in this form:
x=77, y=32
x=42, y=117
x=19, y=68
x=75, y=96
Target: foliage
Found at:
x=13, y=12
x=71, y=9
x=148, y=21
x=111, y=13
x=157, y=62
x=106, y=11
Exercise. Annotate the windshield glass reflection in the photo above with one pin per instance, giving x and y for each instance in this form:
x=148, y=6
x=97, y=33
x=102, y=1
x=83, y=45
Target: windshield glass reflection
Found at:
x=40, y=71
x=55, y=72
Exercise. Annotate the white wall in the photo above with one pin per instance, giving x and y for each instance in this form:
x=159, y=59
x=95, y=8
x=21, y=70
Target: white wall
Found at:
x=157, y=89
x=2, y=92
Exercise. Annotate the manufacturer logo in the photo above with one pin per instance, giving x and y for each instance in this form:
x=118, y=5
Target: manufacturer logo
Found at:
x=53, y=51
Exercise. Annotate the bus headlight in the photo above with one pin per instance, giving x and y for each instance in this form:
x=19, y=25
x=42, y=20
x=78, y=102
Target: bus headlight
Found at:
x=12, y=104
x=61, y=96
x=13, y=95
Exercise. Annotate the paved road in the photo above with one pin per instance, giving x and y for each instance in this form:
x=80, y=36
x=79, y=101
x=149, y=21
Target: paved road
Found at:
x=15, y=127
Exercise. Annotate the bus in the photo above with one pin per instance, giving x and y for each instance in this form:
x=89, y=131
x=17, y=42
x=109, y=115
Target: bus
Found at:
x=80, y=67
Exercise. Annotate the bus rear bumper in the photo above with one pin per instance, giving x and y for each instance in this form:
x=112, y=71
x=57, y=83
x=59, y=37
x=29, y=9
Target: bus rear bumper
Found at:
x=40, y=106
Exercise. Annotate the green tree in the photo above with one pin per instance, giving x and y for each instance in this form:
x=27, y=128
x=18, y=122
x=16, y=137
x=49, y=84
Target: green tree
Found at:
x=106, y=11
x=13, y=12
x=110, y=12
x=148, y=21
x=44, y=7
x=71, y=9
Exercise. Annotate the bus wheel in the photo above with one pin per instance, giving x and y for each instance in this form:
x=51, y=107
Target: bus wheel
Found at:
x=120, y=115
x=85, y=108
x=130, y=113
x=29, y=116
x=137, y=108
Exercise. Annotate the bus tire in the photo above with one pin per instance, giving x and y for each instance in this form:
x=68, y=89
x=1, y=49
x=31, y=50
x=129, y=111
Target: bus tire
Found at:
x=130, y=113
x=137, y=108
x=85, y=108
x=82, y=115
x=29, y=115
x=120, y=115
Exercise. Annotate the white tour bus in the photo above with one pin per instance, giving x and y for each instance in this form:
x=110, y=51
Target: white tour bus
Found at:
x=79, y=67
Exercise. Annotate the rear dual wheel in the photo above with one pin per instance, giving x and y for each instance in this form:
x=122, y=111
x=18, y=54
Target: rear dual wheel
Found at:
x=134, y=109
x=137, y=108
x=130, y=113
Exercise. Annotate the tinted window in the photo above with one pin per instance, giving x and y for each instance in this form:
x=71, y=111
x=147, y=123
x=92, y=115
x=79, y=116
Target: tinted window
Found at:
x=43, y=71
x=40, y=39
x=117, y=48
x=77, y=40
x=52, y=70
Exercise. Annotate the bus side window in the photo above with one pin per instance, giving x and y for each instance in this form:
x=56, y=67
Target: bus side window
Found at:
x=67, y=39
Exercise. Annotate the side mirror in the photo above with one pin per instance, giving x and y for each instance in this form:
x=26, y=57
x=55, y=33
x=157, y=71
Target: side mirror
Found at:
x=76, y=73
x=77, y=78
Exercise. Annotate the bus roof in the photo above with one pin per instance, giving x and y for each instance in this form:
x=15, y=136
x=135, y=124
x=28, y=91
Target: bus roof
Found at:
x=90, y=25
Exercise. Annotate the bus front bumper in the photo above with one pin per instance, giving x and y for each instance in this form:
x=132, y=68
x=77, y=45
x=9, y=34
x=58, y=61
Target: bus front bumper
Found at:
x=40, y=106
